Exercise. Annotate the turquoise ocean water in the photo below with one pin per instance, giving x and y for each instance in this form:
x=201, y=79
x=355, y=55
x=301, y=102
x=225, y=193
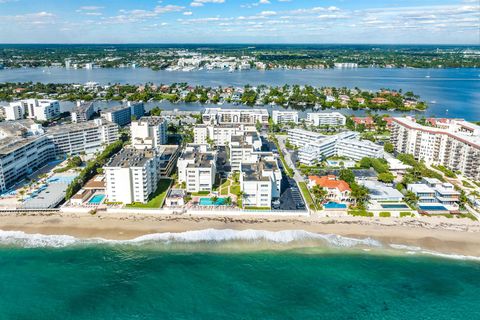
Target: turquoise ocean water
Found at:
x=235, y=279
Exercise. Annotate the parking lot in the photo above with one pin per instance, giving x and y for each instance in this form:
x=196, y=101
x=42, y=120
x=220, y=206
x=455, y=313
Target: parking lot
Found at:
x=290, y=197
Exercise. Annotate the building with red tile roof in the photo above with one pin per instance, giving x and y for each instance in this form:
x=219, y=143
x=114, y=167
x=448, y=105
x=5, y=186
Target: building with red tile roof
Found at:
x=337, y=190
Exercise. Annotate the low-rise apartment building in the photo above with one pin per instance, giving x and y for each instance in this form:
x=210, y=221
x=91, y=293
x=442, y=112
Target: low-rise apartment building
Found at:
x=197, y=168
x=431, y=191
x=281, y=116
x=149, y=132
x=132, y=175
x=299, y=137
x=452, y=143
x=243, y=116
x=345, y=144
x=326, y=118
x=123, y=114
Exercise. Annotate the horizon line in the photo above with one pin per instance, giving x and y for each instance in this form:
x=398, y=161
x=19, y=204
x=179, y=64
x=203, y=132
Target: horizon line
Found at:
x=241, y=43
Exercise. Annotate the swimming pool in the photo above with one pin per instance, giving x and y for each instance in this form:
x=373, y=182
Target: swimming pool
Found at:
x=335, y=205
x=209, y=202
x=96, y=199
x=433, y=208
x=394, y=206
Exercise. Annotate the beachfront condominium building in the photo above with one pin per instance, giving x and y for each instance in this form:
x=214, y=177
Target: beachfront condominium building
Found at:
x=280, y=116
x=345, y=144
x=219, y=134
x=197, y=168
x=149, y=132
x=452, y=143
x=244, y=148
x=41, y=110
x=83, y=137
x=23, y=149
x=132, y=176
x=260, y=182
x=326, y=119
x=242, y=116
x=123, y=114
x=82, y=112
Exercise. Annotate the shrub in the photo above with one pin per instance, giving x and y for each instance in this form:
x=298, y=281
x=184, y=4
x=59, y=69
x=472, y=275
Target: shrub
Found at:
x=385, y=214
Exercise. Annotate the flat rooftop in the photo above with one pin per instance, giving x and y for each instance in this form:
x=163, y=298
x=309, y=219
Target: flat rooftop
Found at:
x=130, y=157
x=151, y=120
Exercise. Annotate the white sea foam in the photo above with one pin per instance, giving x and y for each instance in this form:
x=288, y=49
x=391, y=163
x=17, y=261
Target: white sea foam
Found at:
x=412, y=250
x=23, y=239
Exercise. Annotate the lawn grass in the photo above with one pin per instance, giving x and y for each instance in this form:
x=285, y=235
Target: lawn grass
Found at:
x=224, y=191
x=235, y=189
x=466, y=184
x=201, y=193
x=156, y=199
x=306, y=195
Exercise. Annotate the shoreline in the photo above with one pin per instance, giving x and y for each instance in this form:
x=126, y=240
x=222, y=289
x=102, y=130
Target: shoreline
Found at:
x=441, y=235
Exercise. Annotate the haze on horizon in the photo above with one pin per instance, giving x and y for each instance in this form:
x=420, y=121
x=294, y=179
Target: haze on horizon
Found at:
x=241, y=21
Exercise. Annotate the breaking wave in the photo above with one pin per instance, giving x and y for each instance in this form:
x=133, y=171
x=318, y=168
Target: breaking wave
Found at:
x=20, y=238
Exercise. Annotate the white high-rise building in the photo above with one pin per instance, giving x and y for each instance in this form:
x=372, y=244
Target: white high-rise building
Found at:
x=243, y=116
x=219, y=134
x=23, y=149
x=89, y=137
x=132, y=175
x=452, y=143
x=149, y=132
x=82, y=112
x=326, y=118
x=260, y=182
x=197, y=168
x=14, y=111
x=41, y=110
x=282, y=116
x=244, y=149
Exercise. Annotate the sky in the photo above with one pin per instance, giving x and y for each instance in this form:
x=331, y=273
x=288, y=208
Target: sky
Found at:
x=240, y=21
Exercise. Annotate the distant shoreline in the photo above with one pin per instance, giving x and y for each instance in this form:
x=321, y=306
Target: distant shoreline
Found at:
x=459, y=237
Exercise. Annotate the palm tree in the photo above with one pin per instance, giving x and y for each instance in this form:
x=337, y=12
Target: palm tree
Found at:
x=214, y=199
x=241, y=195
x=228, y=201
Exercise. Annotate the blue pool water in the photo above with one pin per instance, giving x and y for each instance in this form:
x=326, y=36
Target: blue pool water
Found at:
x=394, y=206
x=209, y=202
x=334, y=205
x=433, y=208
x=96, y=199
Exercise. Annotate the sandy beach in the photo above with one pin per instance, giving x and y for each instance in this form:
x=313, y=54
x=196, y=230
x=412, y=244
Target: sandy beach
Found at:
x=452, y=236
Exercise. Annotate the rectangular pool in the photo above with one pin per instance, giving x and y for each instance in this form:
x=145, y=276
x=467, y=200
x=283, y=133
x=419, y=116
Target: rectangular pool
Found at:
x=209, y=202
x=96, y=199
x=433, y=208
x=335, y=205
x=394, y=206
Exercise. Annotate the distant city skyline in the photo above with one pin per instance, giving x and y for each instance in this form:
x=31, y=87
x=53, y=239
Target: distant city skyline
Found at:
x=241, y=21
